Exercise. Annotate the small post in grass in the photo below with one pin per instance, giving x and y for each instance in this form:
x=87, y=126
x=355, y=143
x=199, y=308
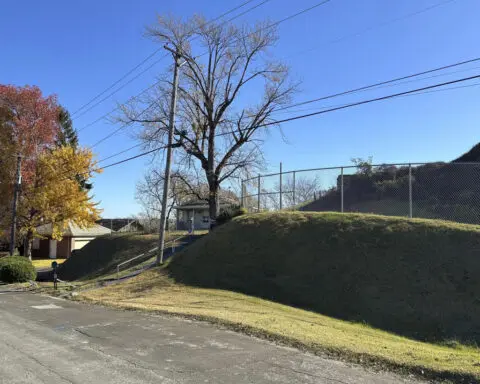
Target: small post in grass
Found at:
x=410, y=200
x=281, y=201
x=341, y=190
x=258, y=194
x=242, y=203
x=55, y=275
x=294, y=202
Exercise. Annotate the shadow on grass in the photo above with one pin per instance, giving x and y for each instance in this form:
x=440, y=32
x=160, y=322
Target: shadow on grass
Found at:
x=419, y=279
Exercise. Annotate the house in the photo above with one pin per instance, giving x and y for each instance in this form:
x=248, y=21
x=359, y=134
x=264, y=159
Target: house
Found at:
x=122, y=225
x=74, y=237
x=194, y=214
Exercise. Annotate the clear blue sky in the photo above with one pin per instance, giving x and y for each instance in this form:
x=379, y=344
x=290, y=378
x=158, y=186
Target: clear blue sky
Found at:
x=76, y=49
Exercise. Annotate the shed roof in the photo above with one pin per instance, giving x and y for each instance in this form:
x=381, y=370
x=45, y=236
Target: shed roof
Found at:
x=203, y=204
x=74, y=230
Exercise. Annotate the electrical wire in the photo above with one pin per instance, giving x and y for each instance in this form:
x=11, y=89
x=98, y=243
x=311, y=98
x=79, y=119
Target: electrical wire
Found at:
x=381, y=83
x=203, y=54
x=143, y=62
x=150, y=66
x=373, y=27
x=412, y=92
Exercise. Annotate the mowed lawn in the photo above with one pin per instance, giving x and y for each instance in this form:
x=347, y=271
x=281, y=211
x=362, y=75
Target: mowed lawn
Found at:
x=45, y=263
x=384, y=291
x=154, y=291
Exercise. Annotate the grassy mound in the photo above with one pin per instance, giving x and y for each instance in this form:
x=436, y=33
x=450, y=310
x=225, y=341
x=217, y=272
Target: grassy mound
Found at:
x=16, y=269
x=102, y=255
x=418, y=278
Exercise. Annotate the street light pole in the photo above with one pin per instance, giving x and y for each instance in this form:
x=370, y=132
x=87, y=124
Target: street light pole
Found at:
x=168, y=164
x=18, y=182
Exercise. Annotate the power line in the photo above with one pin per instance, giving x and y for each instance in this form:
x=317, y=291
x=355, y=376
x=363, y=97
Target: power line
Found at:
x=316, y=99
x=380, y=83
x=82, y=108
x=373, y=27
x=412, y=92
x=116, y=82
x=120, y=88
x=134, y=157
x=250, y=9
x=123, y=126
x=120, y=153
x=364, y=102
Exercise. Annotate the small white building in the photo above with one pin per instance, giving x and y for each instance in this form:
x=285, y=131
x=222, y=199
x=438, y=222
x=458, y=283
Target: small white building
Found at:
x=74, y=237
x=195, y=214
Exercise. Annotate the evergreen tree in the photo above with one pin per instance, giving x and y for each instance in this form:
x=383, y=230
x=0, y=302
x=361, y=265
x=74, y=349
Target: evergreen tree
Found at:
x=68, y=135
x=68, y=138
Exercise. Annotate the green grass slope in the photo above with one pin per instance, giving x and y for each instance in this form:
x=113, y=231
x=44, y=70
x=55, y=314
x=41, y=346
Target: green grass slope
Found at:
x=102, y=255
x=418, y=278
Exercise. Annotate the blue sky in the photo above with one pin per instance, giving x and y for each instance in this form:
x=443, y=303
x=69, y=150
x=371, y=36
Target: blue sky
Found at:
x=77, y=49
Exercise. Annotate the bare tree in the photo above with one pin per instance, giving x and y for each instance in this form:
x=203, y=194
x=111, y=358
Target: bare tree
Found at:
x=229, y=88
x=183, y=188
x=306, y=189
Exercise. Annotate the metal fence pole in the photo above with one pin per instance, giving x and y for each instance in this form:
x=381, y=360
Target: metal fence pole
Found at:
x=242, y=202
x=281, y=202
x=258, y=194
x=341, y=190
x=410, y=199
x=294, y=202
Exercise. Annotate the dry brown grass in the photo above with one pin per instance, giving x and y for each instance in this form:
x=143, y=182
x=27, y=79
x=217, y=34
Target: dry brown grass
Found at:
x=154, y=291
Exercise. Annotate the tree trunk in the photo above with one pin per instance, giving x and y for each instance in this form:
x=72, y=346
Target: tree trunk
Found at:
x=213, y=204
x=27, y=249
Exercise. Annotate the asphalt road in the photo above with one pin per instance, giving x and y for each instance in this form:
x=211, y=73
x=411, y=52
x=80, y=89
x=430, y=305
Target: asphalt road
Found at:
x=47, y=340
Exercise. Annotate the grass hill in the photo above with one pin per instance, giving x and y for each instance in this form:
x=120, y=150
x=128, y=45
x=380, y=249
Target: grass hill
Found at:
x=417, y=278
x=102, y=255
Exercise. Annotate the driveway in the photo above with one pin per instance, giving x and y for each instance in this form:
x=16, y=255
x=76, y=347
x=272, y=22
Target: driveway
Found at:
x=47, y=340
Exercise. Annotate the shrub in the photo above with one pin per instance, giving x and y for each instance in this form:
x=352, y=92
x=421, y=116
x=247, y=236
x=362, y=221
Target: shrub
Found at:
x=16, y=269
x=228, y=214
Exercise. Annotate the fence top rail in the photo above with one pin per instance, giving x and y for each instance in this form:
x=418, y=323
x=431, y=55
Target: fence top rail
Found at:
x=356, y=166
x=146, y=253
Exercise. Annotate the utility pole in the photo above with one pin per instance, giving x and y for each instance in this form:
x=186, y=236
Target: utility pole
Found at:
x=168, y=164
x=18, y=182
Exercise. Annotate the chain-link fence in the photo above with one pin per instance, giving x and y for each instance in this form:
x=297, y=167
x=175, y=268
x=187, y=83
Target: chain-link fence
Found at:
x=448, y=191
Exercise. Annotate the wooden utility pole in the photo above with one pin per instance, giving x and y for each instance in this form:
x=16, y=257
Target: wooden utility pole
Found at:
x=168, y=164
x=18, y=182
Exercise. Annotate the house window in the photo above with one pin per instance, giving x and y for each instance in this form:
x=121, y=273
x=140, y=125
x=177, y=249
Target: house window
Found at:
x=206, y=219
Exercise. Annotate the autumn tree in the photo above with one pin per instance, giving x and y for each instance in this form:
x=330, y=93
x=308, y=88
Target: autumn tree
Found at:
x=51, y=193
x=55, y=196
x=229, y=89
x=30, y=126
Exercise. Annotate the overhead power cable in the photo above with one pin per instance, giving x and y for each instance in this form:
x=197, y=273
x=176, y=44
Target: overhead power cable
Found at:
x=426, y=89
x=83, y=109
x=267, y=27
x=381, y=83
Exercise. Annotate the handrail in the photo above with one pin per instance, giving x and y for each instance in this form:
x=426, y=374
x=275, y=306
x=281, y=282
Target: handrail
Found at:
x=146, y=253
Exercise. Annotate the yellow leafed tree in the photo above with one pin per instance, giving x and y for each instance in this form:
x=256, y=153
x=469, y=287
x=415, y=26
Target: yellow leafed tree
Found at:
x=55, y=195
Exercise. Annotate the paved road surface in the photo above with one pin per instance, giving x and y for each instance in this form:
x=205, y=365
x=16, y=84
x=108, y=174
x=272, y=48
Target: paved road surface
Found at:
x=47, y=340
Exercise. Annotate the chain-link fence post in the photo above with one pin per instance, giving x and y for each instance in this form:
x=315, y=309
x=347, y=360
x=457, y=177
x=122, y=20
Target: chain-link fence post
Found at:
x=410, y=200
x=341, y=190
x=294, y=201
x=258, y=194
x=242, y=194
x=281, y=201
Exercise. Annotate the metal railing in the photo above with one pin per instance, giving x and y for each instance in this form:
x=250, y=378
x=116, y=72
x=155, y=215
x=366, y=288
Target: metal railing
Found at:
x=449, y=191
x=172, y=242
